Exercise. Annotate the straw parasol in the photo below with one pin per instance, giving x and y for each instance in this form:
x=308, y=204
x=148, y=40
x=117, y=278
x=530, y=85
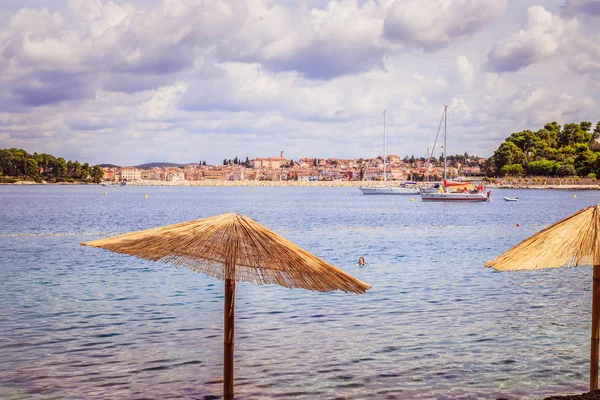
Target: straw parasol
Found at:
x=570, y=242
x=233, y=247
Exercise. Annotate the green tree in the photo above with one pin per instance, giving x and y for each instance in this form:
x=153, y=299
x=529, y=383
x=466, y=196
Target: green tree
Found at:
x=565, y=169
x=596, y=132
x=86, y=171
x=525, y=140
x=61, y=169
x=597, y=167
x=512, y=170
x=584, y=159
x=76, y=172
x=508, y=153
x=594, y=144
x=541, y=167
x=573, y=134
x=585, y=125
x=97, y=174
x=33, y=169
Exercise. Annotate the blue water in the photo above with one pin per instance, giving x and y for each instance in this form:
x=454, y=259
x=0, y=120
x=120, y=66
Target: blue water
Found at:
x=83, y=323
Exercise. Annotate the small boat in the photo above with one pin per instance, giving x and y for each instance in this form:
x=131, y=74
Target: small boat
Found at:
x=454, y=191
x=456, y=197
x=511, y=199
x=123, y=183
x=404, y=188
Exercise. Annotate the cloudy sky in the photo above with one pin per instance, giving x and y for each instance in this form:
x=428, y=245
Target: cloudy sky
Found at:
x=136, y=81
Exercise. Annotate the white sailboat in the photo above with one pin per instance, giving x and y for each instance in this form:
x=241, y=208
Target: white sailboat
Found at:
x=405, y=188
x=454, y=191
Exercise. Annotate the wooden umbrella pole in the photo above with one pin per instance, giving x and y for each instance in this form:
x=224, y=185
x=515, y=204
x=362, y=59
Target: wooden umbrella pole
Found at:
x=229, y=339
x=595, y=329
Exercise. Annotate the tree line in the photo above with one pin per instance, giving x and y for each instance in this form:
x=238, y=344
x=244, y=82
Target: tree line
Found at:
x=552, y=151
x=18, y=163
x=237, y=161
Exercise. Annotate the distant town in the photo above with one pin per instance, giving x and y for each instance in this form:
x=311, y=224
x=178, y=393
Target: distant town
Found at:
x=304, y=169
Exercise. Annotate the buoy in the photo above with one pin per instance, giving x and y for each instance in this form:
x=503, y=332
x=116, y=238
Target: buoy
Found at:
x=105, y=192
x=518, y=225
x=344, y=193
x=145, y=196
x=250, y=190
x=574, y=196
x=412, y=199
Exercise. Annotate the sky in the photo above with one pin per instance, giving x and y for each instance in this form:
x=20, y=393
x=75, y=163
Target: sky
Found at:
x=129, y=82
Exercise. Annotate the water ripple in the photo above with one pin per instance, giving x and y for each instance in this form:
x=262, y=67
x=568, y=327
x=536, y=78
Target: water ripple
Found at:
x=82, y=323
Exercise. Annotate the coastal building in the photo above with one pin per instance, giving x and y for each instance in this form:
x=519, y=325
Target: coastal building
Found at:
x=215, y=174
x=175, y=175
x=470, y=171
x=271, y=162
x=131, y=174
x=373, y=174
x=237, y=174
x=146, y=175
x=397, y=173
x=303, y=176
x=306, y=169
x=111, y=173
x=157, y=174
x=282, y=174
x=250, y=175
x=192, y=172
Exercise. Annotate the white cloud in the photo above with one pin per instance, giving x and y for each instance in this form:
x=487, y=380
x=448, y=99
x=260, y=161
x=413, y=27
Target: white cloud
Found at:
x=178, y=80
x=539, y=38
x=466, y=71
x=317, y=43
x=163, y=100
x=434, y=24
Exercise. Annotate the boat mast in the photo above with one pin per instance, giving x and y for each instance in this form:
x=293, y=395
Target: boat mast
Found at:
x=445, y=143
x=384, y=148
x=428, y=164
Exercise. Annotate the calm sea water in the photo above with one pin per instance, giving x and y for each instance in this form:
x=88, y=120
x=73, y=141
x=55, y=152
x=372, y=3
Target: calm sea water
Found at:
x=84, y=323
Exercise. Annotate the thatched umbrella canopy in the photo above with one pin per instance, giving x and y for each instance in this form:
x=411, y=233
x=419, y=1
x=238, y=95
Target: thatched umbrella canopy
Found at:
x=570, y=242
x=234, y=248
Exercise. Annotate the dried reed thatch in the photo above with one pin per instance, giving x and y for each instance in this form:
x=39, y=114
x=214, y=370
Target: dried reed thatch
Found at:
x=570, y=242
x=233, y=246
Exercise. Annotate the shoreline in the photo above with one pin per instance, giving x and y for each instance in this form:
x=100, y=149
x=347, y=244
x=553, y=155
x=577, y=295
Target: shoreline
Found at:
x=334, y=184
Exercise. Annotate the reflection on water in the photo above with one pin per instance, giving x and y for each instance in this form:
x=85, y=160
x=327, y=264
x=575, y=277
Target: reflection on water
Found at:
x=79, y=322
